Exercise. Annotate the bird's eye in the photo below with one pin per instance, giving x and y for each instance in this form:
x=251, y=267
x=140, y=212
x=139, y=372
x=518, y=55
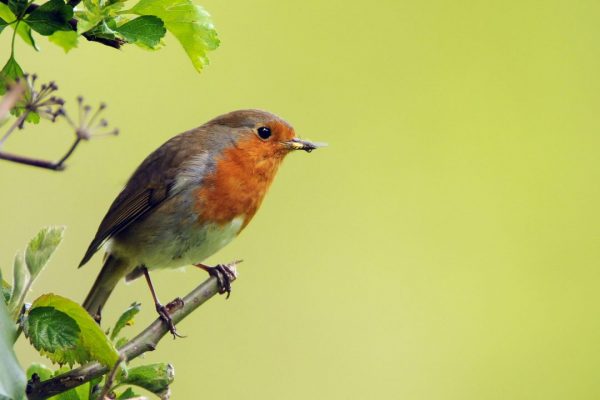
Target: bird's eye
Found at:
x=263, y=132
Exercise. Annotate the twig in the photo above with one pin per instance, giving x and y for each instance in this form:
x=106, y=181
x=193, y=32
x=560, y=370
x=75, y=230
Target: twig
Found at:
x=34, y=162
x=110, y=379
x=147, y=340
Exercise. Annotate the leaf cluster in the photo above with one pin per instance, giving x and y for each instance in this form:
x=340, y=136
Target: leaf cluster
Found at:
x=66, y=334
x=109, y=22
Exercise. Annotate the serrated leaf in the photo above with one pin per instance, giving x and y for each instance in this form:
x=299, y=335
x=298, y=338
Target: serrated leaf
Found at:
x=125, y=319
x=50, y=17
x=52, y=331
x=41, y=247
x=155, y=378
x=66, y=39
x=23, y=30
x=20, y=279
x=12, y=377
x=41, y=370
x=92, y=344
x=145, y=31
x=188, y=22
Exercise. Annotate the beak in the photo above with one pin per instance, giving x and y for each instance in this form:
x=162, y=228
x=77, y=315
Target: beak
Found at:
x=299, y=144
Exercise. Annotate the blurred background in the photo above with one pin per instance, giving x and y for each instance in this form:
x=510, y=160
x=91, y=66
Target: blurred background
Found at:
x=445, y=245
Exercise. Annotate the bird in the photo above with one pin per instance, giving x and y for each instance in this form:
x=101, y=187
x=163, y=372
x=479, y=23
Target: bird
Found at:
x=188, y=199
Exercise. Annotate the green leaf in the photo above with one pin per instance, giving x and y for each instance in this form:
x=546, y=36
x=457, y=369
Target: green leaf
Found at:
x=188, y=22
x=41, y=247
x=23, y=30
x=125, y=319
x=128, y=394
x=52, y=331
x=20, y=283
x=105, y=30
x=17, y=7
x=145, y=31
x=3, y=24
x=91, y=343
x=11, y=71
x=50, y=17
x=122, y=341
x=153, y=377
x=66, y=39
x=5, y=289
x=12, y=377
x=41, y=370
x=94, y=12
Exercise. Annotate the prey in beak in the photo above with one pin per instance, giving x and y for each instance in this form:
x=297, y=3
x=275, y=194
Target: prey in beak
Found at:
x=299, y=144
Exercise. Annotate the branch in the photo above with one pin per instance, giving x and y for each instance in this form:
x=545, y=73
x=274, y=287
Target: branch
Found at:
x=34, y=162
x=147, y=340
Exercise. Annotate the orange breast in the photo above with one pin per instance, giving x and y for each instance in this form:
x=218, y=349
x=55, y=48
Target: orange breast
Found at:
x=239, y=183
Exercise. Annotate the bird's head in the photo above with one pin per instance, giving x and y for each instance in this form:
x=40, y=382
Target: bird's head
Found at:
x=262, y=135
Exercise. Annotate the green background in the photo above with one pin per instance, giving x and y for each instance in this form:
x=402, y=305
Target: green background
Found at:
x=445, y=245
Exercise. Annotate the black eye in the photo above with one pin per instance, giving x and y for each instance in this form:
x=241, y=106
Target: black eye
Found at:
x=264, y=133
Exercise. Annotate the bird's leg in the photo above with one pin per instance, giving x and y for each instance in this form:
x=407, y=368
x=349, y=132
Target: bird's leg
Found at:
x=162, y=311
x=225, y=274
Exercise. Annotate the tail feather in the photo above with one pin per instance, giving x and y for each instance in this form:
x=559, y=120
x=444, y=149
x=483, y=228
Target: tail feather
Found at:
x=112, y=271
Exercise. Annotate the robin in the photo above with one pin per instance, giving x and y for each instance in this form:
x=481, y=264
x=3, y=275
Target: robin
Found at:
x=188, y=199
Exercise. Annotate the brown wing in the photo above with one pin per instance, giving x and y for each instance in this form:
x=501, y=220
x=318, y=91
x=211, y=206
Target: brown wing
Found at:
x=148, y=187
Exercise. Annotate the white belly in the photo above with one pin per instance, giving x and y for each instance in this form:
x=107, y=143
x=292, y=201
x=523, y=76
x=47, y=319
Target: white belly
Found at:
x=174, y=249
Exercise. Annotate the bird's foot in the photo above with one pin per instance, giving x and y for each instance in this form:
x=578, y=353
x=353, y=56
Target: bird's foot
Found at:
x=225, y=274
x=163, y=313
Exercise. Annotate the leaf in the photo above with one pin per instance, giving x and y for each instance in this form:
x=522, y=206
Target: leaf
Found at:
x=91, y=343
x=50, y=17
x=12, y=377
x=66, y=39
x=11, y=71
x=121, y=342
x=52, y=331
x=188, y=22
x=41, y=247
x=145, y=31
x=23, y=30
x=128, y=394
x=17, y=7
x=95, y=11
x=3, y=24
x=105, y=30
x=20, y=280
x=41, y=370
x=5, y=289
x=125, y=319
x=153, y=377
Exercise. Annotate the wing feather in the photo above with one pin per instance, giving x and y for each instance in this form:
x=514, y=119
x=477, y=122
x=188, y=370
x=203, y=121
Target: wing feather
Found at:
x=148, y=187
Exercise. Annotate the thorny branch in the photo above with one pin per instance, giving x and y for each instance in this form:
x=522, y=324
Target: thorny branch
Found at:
x=147, y=340
x=27, y=100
